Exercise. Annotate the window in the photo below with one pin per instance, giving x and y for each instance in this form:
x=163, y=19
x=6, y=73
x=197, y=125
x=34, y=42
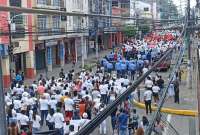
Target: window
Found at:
x=16, y=18
x=56, y=3
x=16, y=3
x=56, y=22
x=114, y=4
x=42, y=2
x=146, y=9
x=42, y=22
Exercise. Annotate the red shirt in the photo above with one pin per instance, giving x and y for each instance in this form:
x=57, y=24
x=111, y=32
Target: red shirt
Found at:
x=41, y=89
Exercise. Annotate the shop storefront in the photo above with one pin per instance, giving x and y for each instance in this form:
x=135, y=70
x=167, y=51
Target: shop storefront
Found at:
x=40, y=62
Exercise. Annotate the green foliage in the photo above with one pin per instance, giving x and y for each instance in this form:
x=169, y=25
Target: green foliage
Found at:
x=144, y=29
x=88, y=67
x=129, y=31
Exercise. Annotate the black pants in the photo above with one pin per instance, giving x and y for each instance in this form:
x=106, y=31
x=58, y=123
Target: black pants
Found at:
x=148, y=106
x=104, y=98
x=176, y=97
x=132, y=75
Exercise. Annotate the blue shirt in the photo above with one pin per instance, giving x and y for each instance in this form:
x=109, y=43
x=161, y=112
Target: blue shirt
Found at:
x=131, y=67
x=149, y=56
x=18, y=78
x=140, y=64
x=105, y=63
x=117, y=66
x=109, y=66
x=123, y=66
x=144, y=57
x=123, y=121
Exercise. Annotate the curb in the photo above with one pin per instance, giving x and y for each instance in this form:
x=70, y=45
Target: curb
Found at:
x=192, y=113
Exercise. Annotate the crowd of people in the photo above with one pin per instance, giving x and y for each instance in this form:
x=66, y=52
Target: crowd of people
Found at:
x=67, y=103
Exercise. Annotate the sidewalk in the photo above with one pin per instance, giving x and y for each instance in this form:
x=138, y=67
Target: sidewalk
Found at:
x=90, y=60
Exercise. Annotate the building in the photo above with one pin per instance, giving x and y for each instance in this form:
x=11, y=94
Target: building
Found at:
x=77, y=39
x=23, y=49
x=45, y=41
x=99, y=28
x=119, y=8
x=51, y=33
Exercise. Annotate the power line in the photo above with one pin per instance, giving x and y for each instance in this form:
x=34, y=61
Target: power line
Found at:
x=55, y=12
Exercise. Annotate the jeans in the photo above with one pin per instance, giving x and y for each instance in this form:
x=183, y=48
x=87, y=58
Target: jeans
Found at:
x=60, y=131
x=122, y=132
x=44, y=114
x=34, y=130
x=113, y=122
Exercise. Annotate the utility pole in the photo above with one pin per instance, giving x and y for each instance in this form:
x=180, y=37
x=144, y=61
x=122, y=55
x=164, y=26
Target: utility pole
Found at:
x=3, y=127
x=82, y=45
x=188, y=44
x=97, y=30
x=10, y=48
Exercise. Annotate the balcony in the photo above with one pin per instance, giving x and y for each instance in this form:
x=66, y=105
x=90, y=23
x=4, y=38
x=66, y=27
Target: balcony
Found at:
x=19, y=32
x=48, y=4
x=52, y=33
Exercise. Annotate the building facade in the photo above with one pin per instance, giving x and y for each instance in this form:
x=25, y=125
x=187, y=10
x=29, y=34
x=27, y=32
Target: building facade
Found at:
x=45, y=41
x=23, y=49
x=51, y=32
x=77, y=26
x=98, y=27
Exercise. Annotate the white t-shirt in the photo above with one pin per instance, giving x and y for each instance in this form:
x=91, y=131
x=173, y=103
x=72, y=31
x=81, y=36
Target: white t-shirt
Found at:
x=43, y=104
x=122, y=90
x=34, y=87
x=58, y=97
x=147, y=95
x=95, y=94
x=23, y=119
x=50, y=118
x=68, y=104
x=58, y=119
x=148, y=83
x=144, y=70
x=47, y=96
x=73, y=133
x=155, y=89
x=53, y=103
x=126, y=82
x=36, y=122
x=103, y=89
x=17, y=104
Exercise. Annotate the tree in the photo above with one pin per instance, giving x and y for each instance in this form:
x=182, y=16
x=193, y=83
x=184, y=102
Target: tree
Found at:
x=129, y=31
x=144, y=26
x=144, y=29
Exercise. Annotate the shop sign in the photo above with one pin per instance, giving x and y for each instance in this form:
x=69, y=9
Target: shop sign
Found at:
x=51, y=43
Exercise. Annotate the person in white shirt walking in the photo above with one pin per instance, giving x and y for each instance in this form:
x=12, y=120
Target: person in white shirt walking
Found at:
x=147, y=100
x=43, y=108
x=58, y=119
x=69, y=107
x=156, y=91
x=148, y=83
x=36, y=119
